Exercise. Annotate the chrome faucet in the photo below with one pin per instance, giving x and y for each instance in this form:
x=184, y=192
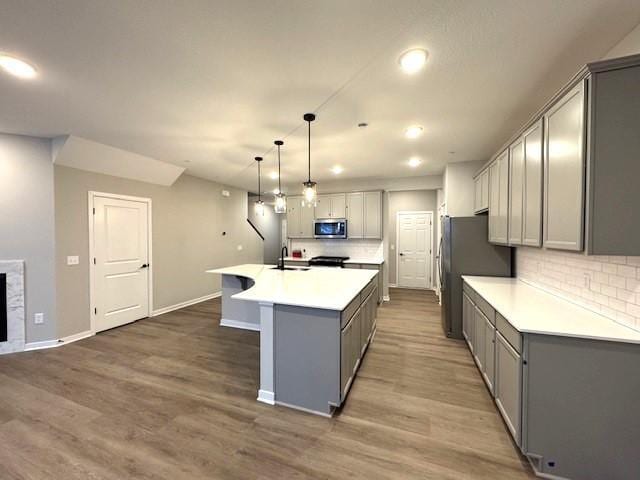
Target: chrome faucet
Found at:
x=283, y=253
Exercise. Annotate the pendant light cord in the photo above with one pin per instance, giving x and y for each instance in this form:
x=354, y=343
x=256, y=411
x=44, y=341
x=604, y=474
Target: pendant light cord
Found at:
x=309, y=143
x=259, y=194
x=279, y=186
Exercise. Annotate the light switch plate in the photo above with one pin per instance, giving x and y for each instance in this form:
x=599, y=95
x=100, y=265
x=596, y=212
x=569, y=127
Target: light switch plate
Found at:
x=38, y=318
x=73, y=260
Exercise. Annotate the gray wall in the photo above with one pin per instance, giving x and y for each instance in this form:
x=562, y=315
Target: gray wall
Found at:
x=418, y=200
x=188, y=220
x=269, y=225
x=459, y=189
x=26, y=224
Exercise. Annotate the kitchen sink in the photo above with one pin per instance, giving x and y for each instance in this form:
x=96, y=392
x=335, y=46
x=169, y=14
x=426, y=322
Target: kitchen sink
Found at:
x=300, y=269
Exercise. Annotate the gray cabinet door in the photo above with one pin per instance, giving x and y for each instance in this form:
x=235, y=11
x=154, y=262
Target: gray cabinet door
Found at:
x=508, y=385
x=484, y=181
x=355, y=340
x=372, y=215
x=489, y=354
x=346, y=357
x=503, y=198
x=307, y=215
x=355, y=215
x=477, y=198
x=564, y=162
x=516, y=190
x=323, y=206
x=479, y=333
x=532, y=207
x=338, y=205
x=467, y=318
x=494, y=200
x=294, y=209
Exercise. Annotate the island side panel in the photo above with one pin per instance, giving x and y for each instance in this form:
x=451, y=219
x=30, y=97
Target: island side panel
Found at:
x=580, y=414
x=307, y=358
x=266, y=394
x=238, y=313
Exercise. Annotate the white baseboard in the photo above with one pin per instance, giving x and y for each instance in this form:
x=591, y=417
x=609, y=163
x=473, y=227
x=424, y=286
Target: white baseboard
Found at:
x=188, y=303
x=40, y=345
x=57, y=343
x=225, y=322
x=386, y=298
x=266, y=397
x=392, y=285
x=75, y=337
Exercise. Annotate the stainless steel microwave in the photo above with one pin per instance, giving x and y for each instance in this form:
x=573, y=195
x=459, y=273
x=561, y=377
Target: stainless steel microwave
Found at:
x=330, y=228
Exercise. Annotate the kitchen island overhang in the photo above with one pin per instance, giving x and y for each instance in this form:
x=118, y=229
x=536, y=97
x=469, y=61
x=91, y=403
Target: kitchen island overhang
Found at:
x=315, y=325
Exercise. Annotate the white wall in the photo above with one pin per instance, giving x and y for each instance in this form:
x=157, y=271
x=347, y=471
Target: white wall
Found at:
x=459, y=188
x=629, y=45
x=26, y=224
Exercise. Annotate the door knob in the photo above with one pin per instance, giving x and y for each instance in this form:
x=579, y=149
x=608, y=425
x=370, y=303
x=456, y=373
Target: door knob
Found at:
x=144, y=265
x=402, y=254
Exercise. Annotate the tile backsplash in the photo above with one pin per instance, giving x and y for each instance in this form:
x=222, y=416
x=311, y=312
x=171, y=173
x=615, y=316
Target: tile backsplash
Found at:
x=365, y=249
x=609, y=285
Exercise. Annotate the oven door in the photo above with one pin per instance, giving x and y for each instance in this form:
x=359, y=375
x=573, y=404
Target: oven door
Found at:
x=330, y=228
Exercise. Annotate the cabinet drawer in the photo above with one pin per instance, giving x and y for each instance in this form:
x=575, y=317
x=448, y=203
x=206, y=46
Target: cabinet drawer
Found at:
x=469, y=291
x=296, y=263
x=484, y=306
x=348, y=312
x=367, y=290
x=509, y=333
x=352, y=265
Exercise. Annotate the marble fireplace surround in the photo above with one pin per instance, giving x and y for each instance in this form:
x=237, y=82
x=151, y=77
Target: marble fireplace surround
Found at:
x=15, y=306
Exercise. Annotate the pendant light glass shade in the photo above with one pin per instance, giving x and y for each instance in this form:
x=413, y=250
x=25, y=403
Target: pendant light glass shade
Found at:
x=309, y=191
x=259, y=205
x=281, y=200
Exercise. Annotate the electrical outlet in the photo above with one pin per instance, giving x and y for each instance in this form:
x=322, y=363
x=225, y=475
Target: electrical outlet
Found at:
x=38, y=318
x=73, y=260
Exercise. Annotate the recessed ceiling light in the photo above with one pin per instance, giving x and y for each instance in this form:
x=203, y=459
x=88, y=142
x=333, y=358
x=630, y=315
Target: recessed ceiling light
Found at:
x=414, y=162
x=16, y=67
x=337, y=169
x=413, y=60
x=413, y=131
x=273, y=175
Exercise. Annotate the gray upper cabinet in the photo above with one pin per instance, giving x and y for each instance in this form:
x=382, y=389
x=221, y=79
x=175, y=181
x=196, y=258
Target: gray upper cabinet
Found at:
x=355, y=215
x=481, y=198
x=564, y=162
x=532, y=207
x=299, y=219
x=372, y=215
x=331, y=206
x=516, y=191
x=578, y=170
x=499, y=199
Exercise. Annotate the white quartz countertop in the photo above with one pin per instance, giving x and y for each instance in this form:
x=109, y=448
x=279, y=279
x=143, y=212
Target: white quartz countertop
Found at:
x=366, y=261
x=319, y=287
x=532, y=310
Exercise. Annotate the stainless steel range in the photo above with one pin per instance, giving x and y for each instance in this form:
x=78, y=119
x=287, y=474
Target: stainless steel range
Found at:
x=327, y=261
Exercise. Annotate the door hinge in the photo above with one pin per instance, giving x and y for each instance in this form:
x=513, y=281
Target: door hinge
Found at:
x=94, y=260
x=94, y=211
x=95, y=311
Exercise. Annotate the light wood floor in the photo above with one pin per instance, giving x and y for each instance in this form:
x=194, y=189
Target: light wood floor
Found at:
x=174, y=397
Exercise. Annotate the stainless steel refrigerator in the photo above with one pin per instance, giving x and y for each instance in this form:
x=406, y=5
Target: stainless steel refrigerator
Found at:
x=465, y=250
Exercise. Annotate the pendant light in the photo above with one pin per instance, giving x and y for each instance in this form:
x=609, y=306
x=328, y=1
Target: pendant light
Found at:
x=281, y=200
x=259, y=206
x=309, y=193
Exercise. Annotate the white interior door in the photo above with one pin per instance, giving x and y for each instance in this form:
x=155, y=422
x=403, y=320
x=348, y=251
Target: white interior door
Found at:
x=414, y=249
x=121, y=270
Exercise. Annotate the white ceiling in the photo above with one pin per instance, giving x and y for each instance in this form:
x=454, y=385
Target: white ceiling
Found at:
x=213, y=83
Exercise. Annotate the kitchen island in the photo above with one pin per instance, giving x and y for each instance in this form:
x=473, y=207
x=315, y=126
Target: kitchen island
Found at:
x=315, y=325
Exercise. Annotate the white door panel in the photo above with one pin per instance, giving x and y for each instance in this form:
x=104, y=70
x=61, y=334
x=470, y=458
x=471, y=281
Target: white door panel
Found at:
x=121, y=252
x=414, y=249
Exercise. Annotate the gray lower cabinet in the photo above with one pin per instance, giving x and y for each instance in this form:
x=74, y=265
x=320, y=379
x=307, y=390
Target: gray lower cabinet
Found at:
x=372, y=266
x=568, y=402
x=508, y=385
x=296, y=263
